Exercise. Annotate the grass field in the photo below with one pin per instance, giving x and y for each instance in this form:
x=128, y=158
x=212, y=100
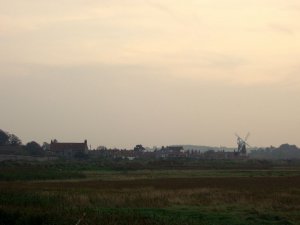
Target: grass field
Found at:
x=142, y=197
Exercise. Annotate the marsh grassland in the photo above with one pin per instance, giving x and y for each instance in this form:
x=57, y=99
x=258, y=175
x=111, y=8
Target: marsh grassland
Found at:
x=48, y=194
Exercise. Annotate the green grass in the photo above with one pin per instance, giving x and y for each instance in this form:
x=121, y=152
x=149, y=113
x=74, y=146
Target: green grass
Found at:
x=154, y=174
x=207, y=200
x=54, y=193
x=38, y=174
x=141, y=216
x=27, y=174
x=60, y=170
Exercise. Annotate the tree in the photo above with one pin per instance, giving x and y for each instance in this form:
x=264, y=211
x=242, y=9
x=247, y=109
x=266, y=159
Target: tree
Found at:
x=34, y=148
x=46, y=146
x=14, y=140
x=139, y=148
x=4, y=137
x=101, y=148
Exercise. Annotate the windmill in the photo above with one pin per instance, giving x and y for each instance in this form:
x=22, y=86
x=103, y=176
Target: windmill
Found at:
x=242, y=144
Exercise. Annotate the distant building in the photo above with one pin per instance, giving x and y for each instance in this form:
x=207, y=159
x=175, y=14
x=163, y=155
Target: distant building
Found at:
x=171, y=152
x=69, y=150
x=175, y=149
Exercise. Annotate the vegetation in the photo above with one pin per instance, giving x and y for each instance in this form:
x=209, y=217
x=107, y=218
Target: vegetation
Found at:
x=157, y=201
x=116, y=191
x=33, y=148
x=284, y=151
x=9, y=139
x=12, y=144
x=64, y=192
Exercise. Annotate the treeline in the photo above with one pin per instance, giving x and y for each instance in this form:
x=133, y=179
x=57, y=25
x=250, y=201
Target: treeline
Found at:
x=12, y=144
x=9, y=139
x=284, y=151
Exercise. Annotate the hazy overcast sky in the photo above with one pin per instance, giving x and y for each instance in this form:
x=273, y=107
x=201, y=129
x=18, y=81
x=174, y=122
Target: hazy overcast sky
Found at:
x=151, y=72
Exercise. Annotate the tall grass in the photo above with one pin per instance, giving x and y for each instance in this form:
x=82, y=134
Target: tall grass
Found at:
x=218, y=200
x=239, y=194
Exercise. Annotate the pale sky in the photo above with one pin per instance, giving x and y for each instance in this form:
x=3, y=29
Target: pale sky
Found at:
x=151, y=72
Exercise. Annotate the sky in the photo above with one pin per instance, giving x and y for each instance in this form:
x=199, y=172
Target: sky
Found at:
x=153, y=72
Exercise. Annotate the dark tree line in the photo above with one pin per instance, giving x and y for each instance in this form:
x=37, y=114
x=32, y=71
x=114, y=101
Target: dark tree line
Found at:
x=9, y=139
x=32, y=147
x=284, y=151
